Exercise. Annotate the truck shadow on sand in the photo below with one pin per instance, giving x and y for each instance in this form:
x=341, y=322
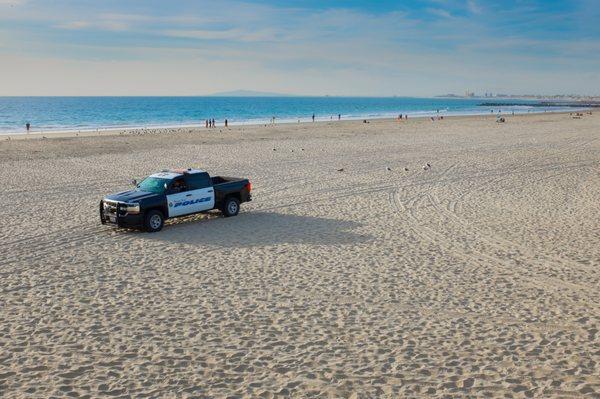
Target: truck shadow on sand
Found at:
x=260, y=229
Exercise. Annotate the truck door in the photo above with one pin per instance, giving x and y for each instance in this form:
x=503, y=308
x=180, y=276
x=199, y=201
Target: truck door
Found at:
x=179, y=198
x=203, y=192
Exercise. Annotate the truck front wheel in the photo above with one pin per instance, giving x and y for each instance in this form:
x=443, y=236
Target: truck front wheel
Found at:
x=154, y=221
x=231, y=207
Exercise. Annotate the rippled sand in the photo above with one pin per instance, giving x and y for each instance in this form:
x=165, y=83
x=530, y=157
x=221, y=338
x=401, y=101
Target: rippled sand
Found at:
x=476, y=277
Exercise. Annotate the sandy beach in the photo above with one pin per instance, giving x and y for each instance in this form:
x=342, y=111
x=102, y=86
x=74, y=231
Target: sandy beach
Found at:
x=477, y=277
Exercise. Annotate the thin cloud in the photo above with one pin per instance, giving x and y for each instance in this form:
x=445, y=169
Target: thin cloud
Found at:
x=474, y=7
x=440, y=12
x=12, y=2
x=229, y=34
x=115, y=26
x=74, y=25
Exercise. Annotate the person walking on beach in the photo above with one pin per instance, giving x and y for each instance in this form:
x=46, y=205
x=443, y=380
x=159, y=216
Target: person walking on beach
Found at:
x=225, y=122
x=313, y=117
x=206, y=123
x=27, y=126
x=213, y=122
x=339, y=117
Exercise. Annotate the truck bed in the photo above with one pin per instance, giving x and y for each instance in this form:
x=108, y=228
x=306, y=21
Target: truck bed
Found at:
x=224, y=179
x=230, y=186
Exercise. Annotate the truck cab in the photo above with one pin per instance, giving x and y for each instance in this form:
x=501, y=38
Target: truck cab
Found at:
x=188, y=193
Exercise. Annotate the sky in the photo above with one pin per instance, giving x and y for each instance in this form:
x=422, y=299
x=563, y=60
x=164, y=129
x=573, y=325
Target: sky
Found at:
x=304, y=47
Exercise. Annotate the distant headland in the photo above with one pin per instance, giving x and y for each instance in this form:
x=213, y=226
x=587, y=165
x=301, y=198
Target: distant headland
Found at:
x=249, y=93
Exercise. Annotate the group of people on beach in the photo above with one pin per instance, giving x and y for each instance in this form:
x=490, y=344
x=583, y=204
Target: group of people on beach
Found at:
x=211, y=123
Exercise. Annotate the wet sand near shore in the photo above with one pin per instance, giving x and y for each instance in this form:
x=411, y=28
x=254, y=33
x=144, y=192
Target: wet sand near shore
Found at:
x=478, y=276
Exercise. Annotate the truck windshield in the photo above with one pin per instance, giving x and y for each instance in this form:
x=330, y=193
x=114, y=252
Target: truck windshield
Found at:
x=153, y=185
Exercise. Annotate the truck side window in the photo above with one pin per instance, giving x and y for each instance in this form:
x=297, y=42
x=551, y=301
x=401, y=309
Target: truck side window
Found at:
x=197, y=181
x=178, y=186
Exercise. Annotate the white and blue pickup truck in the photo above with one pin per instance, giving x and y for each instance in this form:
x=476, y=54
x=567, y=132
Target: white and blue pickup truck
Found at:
x=173, y=193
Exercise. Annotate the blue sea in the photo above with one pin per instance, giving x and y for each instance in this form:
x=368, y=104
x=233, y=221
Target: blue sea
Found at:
x=48, y=114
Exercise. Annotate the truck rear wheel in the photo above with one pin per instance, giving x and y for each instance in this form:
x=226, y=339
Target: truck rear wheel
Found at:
x=231, y=207
x=154, y=221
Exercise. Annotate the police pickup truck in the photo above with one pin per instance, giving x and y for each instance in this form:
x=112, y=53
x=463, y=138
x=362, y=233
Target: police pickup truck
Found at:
x=173, y=193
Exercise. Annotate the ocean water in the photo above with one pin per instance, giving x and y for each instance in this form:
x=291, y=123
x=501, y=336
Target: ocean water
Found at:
x=48, y=114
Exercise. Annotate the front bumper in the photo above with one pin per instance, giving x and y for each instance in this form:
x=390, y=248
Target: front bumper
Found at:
x=112, y=213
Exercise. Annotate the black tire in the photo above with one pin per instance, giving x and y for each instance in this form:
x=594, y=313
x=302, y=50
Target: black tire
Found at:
x=154, y=221
x=231, y=207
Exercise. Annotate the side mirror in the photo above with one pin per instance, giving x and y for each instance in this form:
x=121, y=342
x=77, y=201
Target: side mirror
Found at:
x=134, y=182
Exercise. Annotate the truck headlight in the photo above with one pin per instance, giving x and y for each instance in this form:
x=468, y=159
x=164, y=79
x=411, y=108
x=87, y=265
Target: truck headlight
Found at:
x=133, y=208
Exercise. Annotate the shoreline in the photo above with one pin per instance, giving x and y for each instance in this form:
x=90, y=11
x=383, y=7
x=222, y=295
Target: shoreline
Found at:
x=111, y=131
